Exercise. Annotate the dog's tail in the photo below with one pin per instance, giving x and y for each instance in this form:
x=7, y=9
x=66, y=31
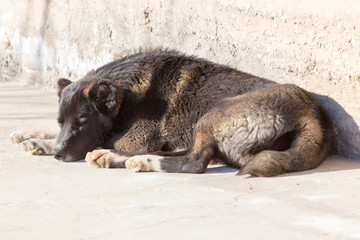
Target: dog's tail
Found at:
x=308, y=149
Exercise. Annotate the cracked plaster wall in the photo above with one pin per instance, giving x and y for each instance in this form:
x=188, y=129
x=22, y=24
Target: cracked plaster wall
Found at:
x=315, y=44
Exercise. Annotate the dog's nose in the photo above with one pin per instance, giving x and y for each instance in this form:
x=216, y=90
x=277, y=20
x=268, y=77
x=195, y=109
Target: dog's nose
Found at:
x=57, y=156
x=56, y=153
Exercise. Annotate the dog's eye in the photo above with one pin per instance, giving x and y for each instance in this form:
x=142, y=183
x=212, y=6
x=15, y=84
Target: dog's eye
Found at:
x=82, y=121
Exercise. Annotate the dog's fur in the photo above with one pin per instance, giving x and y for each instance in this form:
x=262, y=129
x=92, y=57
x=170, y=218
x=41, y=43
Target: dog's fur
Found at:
x=152, y=101
x=278, y=130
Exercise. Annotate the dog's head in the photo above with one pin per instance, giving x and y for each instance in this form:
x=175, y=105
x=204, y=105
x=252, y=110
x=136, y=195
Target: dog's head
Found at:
x=86, y=110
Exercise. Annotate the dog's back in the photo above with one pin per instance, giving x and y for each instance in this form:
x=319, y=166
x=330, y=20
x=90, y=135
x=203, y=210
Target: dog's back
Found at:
x=167, y=94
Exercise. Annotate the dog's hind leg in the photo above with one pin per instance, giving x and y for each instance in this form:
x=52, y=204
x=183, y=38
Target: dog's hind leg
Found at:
x=184, y=164
x=195, y=160
x=307, y=151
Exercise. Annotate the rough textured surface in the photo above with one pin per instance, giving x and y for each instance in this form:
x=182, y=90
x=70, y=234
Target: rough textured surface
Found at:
x=313, y=44
x=41, y=198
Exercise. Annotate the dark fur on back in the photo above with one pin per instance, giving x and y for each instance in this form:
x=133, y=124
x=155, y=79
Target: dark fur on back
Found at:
x=146, y=102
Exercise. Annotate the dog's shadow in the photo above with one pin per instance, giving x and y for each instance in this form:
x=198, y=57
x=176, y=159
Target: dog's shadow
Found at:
x=331, y=164
x=220, y=169
x=346, y=139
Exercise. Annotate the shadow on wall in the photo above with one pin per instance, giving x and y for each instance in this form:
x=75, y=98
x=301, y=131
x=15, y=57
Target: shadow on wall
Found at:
x=347, y=133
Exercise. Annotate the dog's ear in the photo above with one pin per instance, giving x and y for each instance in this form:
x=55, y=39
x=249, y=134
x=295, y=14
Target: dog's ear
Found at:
x=62, y=83
x=105, y=96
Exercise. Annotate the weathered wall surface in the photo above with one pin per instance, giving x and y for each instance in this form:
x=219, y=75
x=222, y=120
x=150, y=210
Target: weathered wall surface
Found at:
x=315, y=44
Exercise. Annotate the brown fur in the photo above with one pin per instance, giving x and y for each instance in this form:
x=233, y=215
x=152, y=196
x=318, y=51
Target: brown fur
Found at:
x=265, y=133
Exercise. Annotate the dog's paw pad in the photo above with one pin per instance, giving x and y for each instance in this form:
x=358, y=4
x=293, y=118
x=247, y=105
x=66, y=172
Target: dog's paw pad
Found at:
x=98, y=158
x=138, y=164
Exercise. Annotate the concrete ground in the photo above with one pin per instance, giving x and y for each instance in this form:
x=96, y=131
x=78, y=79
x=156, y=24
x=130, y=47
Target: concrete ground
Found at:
x=41, y=198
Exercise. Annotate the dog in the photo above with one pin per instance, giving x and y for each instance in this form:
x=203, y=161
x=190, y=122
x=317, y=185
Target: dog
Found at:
x=163, y=101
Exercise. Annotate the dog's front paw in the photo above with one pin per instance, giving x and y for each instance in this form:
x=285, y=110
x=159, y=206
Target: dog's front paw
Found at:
x=98, y=158
x=21, y=136
x=138, y=164
x=37, y=146
x=18, y=137
x=105, y=158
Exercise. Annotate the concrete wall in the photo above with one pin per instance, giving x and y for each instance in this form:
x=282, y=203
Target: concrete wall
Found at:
x=315, y=44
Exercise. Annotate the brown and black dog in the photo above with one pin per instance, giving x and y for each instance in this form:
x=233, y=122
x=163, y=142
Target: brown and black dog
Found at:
x=162, y=101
